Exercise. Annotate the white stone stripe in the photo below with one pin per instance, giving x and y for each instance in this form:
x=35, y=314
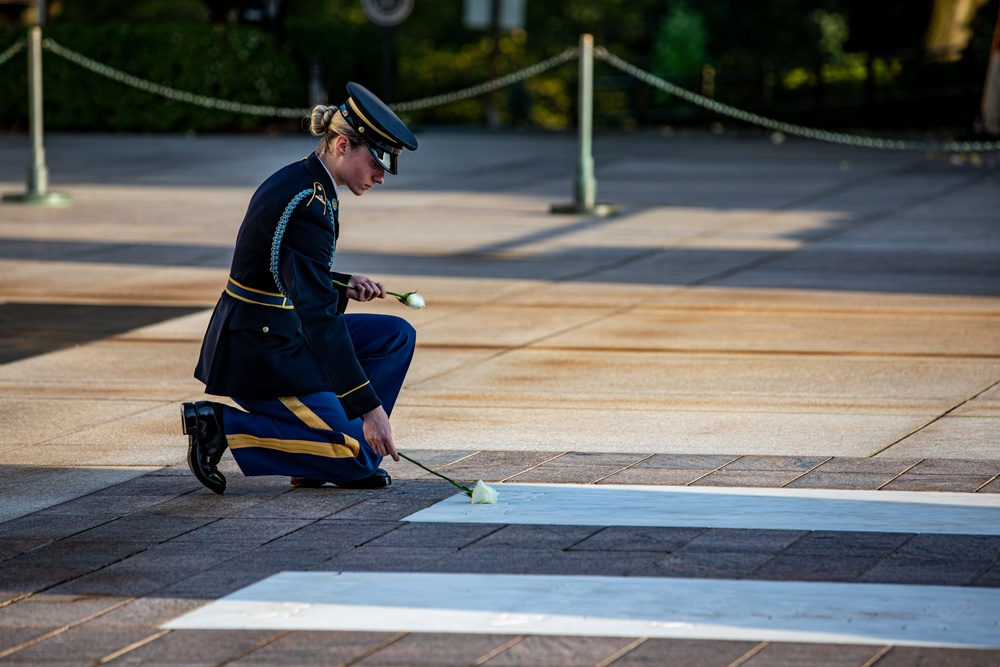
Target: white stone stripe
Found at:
x=715, y=609
x=727, y=507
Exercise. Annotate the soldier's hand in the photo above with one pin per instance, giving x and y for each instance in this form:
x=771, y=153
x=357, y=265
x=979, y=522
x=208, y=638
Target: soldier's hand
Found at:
x=378, y=434
x=363, y=288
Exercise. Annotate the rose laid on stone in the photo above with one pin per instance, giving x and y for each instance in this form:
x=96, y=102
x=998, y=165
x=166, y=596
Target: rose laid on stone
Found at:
x=483, y=494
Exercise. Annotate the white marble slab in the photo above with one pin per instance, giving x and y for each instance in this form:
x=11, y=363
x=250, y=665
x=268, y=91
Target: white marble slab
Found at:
x=728, y=507
x=878, y=614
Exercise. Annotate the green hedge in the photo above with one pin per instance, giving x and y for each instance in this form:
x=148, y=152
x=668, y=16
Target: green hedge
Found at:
x=231, y=63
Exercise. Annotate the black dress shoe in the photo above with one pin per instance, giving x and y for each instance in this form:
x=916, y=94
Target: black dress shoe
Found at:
x=202, y=423
x=376, y=481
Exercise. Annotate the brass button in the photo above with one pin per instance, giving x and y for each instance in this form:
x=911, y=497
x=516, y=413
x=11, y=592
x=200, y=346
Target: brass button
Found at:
x=265, y=329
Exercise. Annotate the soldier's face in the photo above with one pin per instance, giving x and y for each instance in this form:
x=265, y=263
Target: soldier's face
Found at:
x=361, y=171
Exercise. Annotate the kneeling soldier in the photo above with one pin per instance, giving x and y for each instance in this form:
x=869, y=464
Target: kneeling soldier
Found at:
x=316, y=385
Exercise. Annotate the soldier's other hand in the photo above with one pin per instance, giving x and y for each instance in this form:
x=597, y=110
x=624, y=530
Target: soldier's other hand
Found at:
x=378, y=434
x=363, y=288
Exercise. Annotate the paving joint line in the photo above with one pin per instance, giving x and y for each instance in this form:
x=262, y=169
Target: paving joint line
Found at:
x=881, y=653
x=749, y=654
x=987, y=483
x=630, y=465
x=375, y=649
x=530, y=468
x=701, y=477
x=898, y=474
x=496, y=651
x=131, y=647
x=69, y=626
x=245, y=652
x=939, y=417
x=800, y=476
x=625, y=650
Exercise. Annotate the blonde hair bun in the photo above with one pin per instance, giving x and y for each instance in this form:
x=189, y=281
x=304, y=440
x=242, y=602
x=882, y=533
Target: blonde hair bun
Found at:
x=320, y=119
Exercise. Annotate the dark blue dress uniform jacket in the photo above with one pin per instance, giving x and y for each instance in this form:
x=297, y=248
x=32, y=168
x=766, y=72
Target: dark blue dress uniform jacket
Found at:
x=285, y=248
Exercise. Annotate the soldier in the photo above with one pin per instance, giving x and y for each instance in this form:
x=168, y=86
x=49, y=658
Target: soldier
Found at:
x=316, y=385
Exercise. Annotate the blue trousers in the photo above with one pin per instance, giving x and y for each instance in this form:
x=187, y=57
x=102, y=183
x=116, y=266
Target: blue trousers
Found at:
x=310, y=435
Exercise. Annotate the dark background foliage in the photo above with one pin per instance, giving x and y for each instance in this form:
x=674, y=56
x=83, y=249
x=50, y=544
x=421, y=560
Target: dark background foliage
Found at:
x=836, y=63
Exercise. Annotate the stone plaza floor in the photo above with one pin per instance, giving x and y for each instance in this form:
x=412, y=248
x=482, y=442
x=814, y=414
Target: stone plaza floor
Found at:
x=798, y=318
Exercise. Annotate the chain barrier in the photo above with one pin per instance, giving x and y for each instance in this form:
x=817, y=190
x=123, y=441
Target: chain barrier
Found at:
x=788, y=128
x=489, y=86
x=11, y=52
x=600, y=53
x=165, y=91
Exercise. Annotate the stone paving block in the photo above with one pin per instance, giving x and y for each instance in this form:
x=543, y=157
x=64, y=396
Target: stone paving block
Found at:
x=864, y=465
x=840, y=480
x=716, y=540
x=596, y=459
x=791, y=463
x=990, y=578
x=336, y=533
x=395, y=503
x=608, y=564
x=211, y=584
x=920, y=656
x=434, y=650
x=814, y=568
x=301, y=504
x=700, y=652
x=563, y=474
x=12, y=546
x=836, y=543
x=705, y=565
x=933, y=482
x=534, y=537
x=985, y=548
x=384, y=559
x=468, y=473
x=80, y=645
x=629, y=538
x=931, y=571
x=779, y=654
x=148, y=526
x=202, y=503
x=421, y=534
x=11, y=637
x=246, y=532
x=489, y=561
x=522, y=459
x=316, y=649
x=46, y=526
x=993, y=486
x=658, y=476
x=687, y=461
x=970, y=467
x=47, y=610
x=556, y=651
x=278, y=555
x=195, y=647
x=763, y=478
x=36, y=576
x=149, y=611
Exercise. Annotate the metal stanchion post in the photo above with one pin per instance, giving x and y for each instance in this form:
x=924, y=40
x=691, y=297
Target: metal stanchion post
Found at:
x=586, y=184
x=38, y=174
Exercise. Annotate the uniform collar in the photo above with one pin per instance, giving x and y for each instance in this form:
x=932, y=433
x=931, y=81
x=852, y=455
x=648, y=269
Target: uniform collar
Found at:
x=318, y=169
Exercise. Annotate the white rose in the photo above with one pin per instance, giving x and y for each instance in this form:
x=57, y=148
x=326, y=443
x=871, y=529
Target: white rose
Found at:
x=415, y=301
x=483, y=494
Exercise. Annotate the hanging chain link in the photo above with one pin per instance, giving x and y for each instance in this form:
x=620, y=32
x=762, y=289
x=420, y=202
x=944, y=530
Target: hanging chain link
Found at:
x=789, y=128
x=489, y=86
x=165, y=91
x=12, y=51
